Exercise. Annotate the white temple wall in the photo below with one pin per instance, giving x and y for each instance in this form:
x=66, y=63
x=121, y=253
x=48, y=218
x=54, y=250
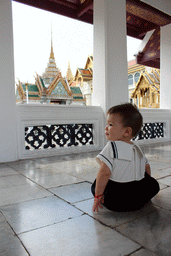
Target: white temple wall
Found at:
x=165, y=67
x=8, y=137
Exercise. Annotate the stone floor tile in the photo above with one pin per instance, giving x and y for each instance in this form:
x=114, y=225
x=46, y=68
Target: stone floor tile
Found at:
x=90, y=177
x=39, y=172
x=14, y=181
x=155, y=165
x=5, y=171
x=110, y=218
x=2, y=218
x=74, y=192
x=162, y=186
x=166, y=180
x=38, y=213
x=77, y=237
x=152, y=231
x=163, y=198
x=161, y=174
x=59, y=179
x=22, y=193
x=143, y=252
x=23, y=164
x=10, y=245
x=76, y=167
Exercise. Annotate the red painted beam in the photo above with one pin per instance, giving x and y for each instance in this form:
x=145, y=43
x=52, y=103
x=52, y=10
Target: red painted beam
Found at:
x=85, y=7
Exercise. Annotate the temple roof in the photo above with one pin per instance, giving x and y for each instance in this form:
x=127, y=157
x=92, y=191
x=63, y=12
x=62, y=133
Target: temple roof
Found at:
x=85, y=73
x=152, y=79
x=51, y=70
x=77, y=94
x=69, y=74
x=149, y=55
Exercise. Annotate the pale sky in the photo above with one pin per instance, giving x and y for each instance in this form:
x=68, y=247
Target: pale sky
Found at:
x=72, y=41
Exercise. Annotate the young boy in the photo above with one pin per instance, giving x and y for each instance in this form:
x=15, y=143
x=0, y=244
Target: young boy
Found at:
x=124, y=181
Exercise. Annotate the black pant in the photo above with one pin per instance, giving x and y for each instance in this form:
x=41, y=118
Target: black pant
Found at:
x=128, y=196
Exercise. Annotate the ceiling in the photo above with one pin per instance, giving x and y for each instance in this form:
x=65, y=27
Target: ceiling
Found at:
x=140, y=16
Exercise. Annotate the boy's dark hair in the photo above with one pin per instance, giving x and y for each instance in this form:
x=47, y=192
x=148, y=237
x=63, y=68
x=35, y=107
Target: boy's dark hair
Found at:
x=131, y=117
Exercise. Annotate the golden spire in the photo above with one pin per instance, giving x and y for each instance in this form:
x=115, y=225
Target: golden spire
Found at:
x=69, y=74
x=51, y=53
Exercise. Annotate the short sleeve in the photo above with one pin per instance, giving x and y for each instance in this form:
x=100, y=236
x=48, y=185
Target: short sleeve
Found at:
x=146, y=160
x=106, y=156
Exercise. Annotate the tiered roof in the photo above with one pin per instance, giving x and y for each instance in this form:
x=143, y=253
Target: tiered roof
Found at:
x=151, y=79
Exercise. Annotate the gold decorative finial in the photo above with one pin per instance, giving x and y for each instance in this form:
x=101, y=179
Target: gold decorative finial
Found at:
x=51, y=54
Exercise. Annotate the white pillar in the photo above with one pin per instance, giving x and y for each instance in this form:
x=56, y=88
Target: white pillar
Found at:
x=8, y=130
x=165, y=67
x=110, y=79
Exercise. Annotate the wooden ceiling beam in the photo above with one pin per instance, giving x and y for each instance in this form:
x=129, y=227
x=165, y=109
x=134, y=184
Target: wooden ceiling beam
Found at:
x=88, y=4
x=65, y=3
x=147, y=12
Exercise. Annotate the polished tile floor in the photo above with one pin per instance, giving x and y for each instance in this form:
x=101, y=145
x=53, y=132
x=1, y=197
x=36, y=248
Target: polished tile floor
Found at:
x=46, y=209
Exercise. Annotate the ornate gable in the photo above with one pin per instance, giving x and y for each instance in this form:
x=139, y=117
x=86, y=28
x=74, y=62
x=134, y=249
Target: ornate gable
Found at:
x=59, y=86
x=147, y=90
x=89, y=62
x=59, y=90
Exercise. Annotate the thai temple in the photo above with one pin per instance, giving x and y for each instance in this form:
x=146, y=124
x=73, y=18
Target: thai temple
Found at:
x=143, y=85
x=51, y=87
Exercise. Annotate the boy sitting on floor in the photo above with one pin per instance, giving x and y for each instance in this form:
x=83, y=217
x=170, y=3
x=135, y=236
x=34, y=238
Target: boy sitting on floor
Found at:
x=124, y=181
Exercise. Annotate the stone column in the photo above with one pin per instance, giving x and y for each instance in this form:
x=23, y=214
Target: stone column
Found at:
x=8, y=128
x=110, y=78
x=165, y=67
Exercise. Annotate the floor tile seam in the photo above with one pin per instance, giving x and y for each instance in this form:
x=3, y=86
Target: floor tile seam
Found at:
x=89, y=198
x=142, y=248
x=14, y=233
x=7, y=205
x=133, y=240
x=127, y=235
x=15, y=169
x=72, y=204
x=66, y=184
x=49, y=225
x=165, y=187
x=137, y=250
x=4, y=176
x=162, y=208
x=164, y=177
x=134, y=219
x=34, y=182
x=113, y=228
x=163, y=169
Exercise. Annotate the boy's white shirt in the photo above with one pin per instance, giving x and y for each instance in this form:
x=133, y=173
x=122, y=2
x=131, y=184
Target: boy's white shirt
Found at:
x=125, y=161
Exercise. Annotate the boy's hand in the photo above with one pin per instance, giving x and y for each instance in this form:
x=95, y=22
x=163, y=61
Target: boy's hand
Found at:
x=97, y=203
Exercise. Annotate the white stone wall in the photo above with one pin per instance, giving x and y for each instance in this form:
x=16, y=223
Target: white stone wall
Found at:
x=8, y=129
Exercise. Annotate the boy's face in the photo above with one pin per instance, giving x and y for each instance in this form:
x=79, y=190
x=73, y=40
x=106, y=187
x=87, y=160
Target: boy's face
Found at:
x=115, y=129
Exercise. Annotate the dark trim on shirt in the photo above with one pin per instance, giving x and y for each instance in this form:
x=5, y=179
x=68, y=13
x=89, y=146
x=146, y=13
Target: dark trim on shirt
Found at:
x=106, y=159
x=115, y=151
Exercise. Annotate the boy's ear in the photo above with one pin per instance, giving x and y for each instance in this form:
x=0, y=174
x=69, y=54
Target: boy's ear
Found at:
x=128, y=132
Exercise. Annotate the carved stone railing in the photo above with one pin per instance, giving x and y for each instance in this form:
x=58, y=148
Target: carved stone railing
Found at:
x=59, y=130
x=56, y=136
x=151, y=131
x=50, y=130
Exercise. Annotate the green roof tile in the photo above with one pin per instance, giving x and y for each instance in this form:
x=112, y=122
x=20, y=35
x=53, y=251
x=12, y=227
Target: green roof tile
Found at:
x=78, y=98
x=31, y=87
x=76, y=90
